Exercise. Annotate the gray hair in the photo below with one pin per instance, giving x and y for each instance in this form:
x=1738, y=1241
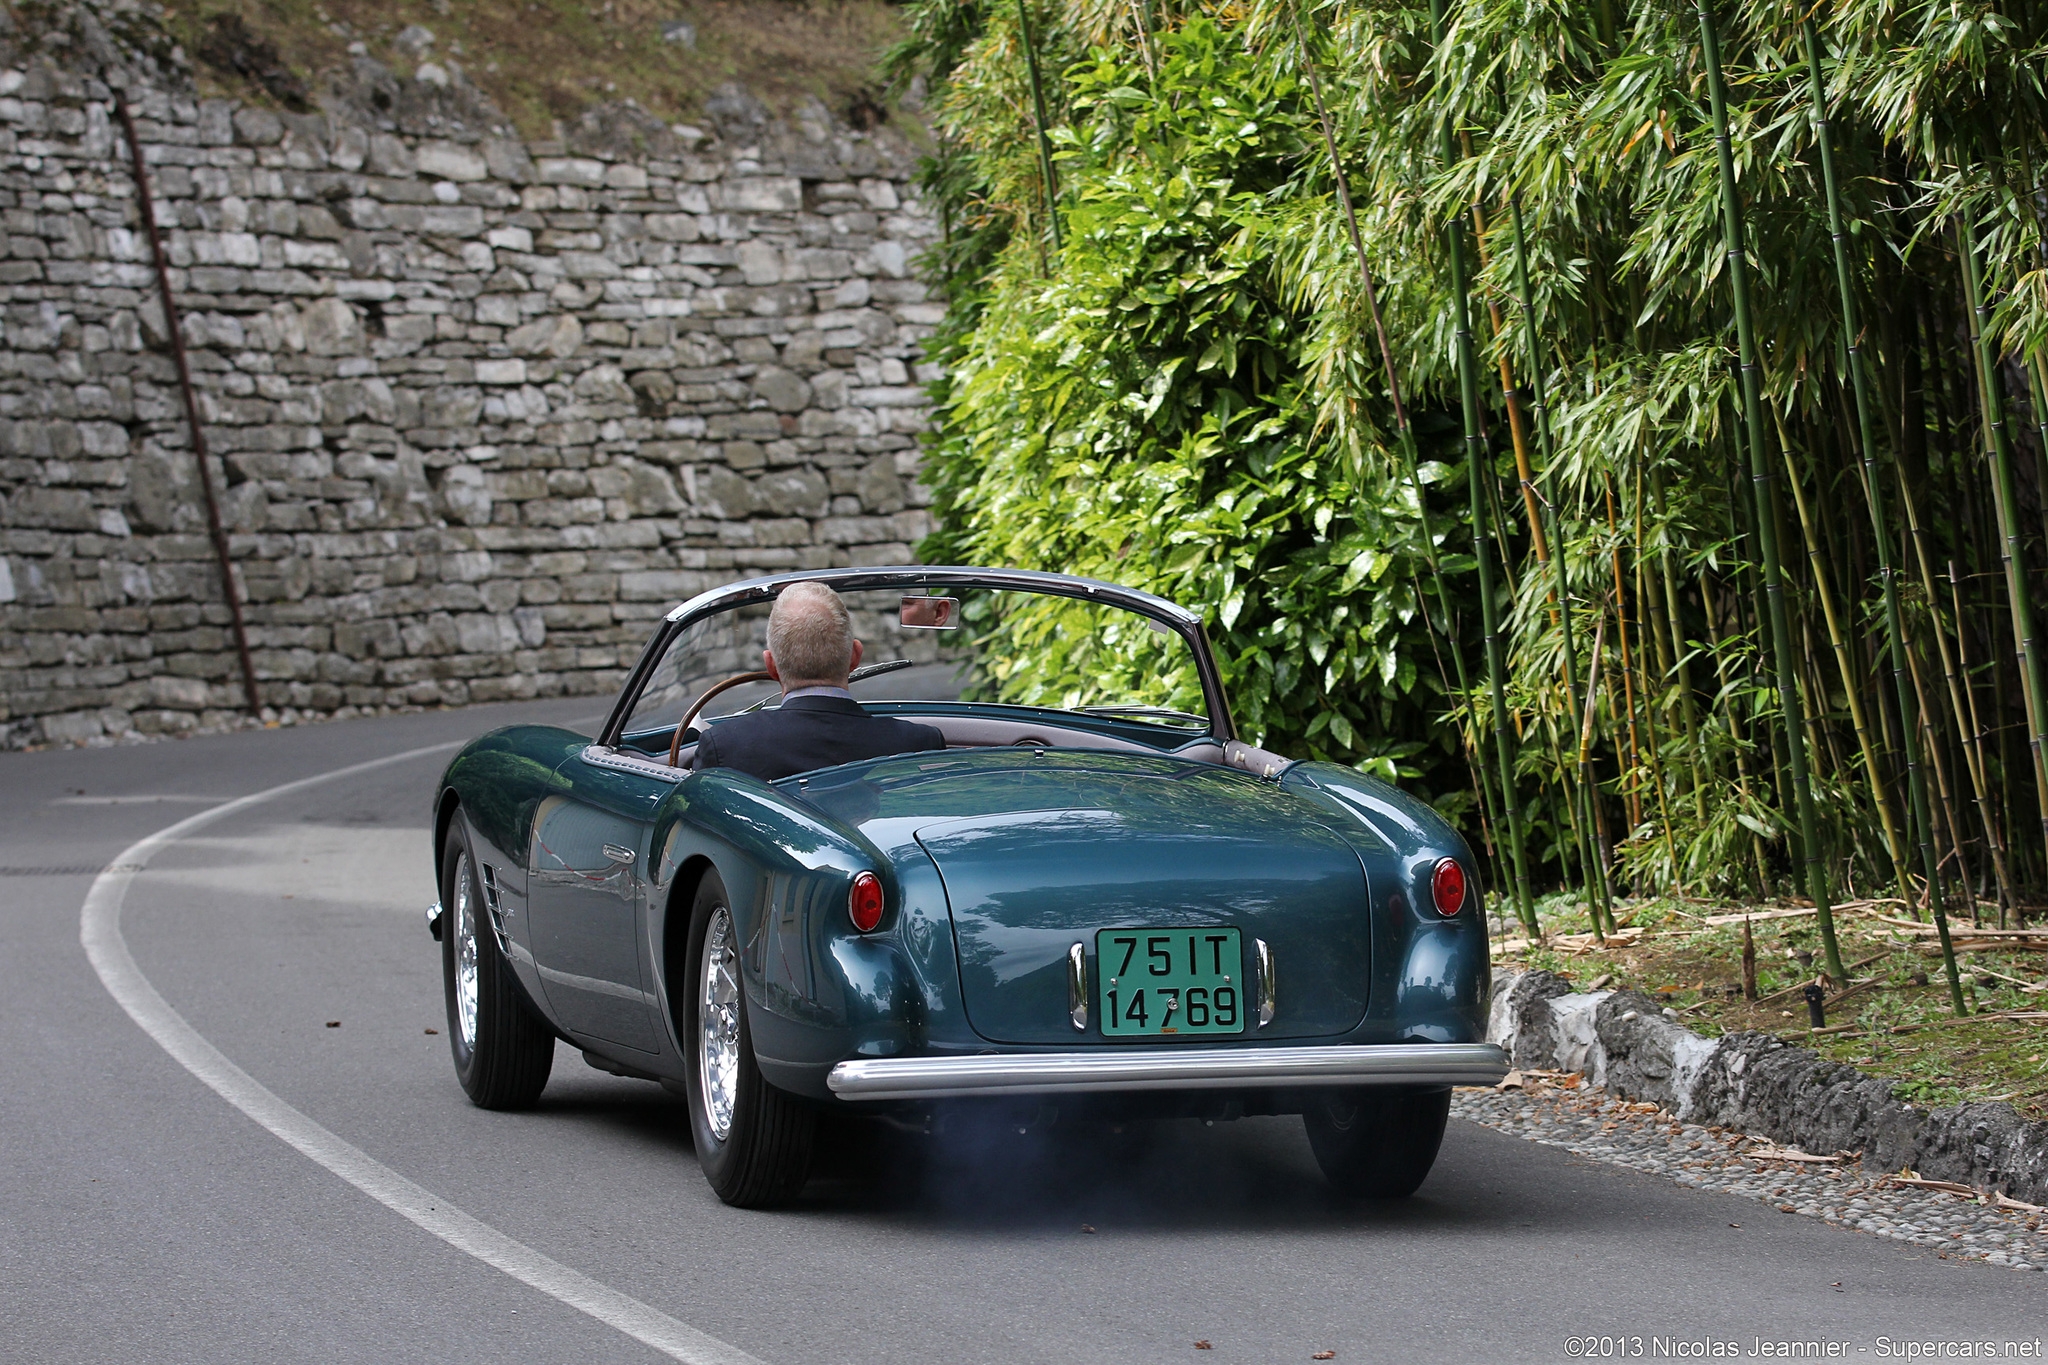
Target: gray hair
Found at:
x=810, y=636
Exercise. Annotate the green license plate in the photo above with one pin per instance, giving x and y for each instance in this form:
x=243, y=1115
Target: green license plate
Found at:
x=1157, y=983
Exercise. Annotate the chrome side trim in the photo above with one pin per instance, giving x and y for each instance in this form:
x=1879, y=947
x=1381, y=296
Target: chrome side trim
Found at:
x=1055, y=1073
x=619, y=760
x=1077, y=986
x=1269, y=990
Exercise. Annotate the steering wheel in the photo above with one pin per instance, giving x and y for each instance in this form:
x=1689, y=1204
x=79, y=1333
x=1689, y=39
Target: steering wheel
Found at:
x=675, y=746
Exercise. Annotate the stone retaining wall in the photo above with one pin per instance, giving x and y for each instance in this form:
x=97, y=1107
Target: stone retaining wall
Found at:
x=1756, y=1083
x=481, y=408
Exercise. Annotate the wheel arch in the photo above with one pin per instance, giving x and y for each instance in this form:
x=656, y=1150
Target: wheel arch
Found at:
x=675, y=937
x=444, y=821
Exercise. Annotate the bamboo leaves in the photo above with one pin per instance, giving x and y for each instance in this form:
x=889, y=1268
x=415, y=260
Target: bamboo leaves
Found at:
x=1260, y=376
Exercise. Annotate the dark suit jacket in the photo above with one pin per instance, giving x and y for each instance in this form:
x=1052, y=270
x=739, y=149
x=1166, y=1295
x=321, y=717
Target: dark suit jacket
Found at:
x=809, y=732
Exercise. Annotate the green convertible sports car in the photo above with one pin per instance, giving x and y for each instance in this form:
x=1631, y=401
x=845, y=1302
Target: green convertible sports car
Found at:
x=1096, y=902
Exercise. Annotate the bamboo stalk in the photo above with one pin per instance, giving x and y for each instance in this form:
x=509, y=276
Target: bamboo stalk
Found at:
x=1647, y=601
x=1475, y=459
x=1756, y=843
x=1973, y=751
x=1474, y=761
x=1517, y=433
x=1946, y=808
x=1760, y=475
x=1052, y=188
x=1141, y=11
x=1628, y=689
x=1823, y=589
x=1688, y=709
x=1586, y=739
x=1597, y=898
x=1961, y=711
x=1920, y=817
x=2037, y=388
x=2033, y=683
x=1525, y=910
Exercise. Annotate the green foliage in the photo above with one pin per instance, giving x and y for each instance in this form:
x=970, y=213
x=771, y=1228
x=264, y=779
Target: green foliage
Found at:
x=1189, y=394
x=1145, y=416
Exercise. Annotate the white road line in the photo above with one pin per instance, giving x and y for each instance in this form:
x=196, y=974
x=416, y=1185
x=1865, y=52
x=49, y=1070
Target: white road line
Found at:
x=99, y=929
x=162, y=800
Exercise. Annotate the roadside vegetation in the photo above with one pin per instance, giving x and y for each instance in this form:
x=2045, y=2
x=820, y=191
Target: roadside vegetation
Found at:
x=1891, y=1020
x=543, y=61
x=1476, y=495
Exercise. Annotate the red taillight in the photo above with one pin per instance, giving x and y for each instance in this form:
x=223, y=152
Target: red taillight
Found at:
x=864, y=902
x=1448, y=886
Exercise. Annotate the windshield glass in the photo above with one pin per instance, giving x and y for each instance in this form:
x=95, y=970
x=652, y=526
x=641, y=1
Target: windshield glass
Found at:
x=1003, y=647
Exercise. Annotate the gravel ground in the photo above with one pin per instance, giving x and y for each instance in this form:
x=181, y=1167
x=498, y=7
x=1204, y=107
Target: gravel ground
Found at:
x=1583, y=1119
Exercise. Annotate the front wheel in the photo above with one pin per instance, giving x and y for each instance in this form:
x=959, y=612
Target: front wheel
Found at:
x=753, y=1141
x=503, y=1051
x=1377, y=1146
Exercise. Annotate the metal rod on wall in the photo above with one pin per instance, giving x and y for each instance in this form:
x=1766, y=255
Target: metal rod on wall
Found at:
x=177, y=336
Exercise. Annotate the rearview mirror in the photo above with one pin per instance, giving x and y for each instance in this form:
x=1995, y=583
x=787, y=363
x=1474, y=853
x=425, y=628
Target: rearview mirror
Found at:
x=931, y=613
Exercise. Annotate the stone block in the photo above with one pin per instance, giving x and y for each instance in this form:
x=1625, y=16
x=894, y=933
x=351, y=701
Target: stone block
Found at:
x=331, y=327
x=501, y=372
x=760, y=263
x=452, y=220
x=506, y=159
x=672, y=227
x=799, y=491
x=451, y=161
x=388, y=155
x=759, y=194
x=589, y=265
x=569, y=170
x=557, y=335
x=258, y=127
x=781, y=390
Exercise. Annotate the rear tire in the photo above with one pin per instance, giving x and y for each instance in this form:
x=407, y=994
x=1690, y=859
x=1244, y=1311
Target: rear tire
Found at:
x=503, y=1050
x=1377, y=1146
x=753, y=1141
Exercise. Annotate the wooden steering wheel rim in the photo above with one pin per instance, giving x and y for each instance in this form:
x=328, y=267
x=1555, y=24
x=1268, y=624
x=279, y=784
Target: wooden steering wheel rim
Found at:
x=675, y=746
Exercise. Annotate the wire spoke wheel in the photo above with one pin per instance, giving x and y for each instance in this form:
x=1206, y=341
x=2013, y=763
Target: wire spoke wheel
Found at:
x=753, y=1141
x=718, y=1023
x=503, y=1049
x=465, y=955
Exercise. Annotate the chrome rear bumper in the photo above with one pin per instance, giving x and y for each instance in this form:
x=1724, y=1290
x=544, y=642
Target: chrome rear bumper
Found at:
x=1056, y=1073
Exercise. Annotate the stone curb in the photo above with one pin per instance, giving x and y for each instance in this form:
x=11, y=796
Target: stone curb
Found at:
x=1623, y=1041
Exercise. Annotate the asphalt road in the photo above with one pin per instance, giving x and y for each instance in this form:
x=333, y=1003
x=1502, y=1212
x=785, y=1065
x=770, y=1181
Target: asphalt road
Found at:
x=144, y=1218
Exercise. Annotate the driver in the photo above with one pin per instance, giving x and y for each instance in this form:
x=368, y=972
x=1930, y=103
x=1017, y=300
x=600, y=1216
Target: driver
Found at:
x=810, y=651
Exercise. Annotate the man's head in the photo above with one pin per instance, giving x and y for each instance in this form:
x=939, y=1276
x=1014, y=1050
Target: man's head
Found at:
x=810, y=638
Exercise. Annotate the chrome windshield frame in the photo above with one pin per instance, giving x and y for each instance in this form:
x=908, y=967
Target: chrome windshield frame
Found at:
x=1175, y=618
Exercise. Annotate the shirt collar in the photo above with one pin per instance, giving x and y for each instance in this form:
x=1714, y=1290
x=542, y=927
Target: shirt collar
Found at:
x=841, y=692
